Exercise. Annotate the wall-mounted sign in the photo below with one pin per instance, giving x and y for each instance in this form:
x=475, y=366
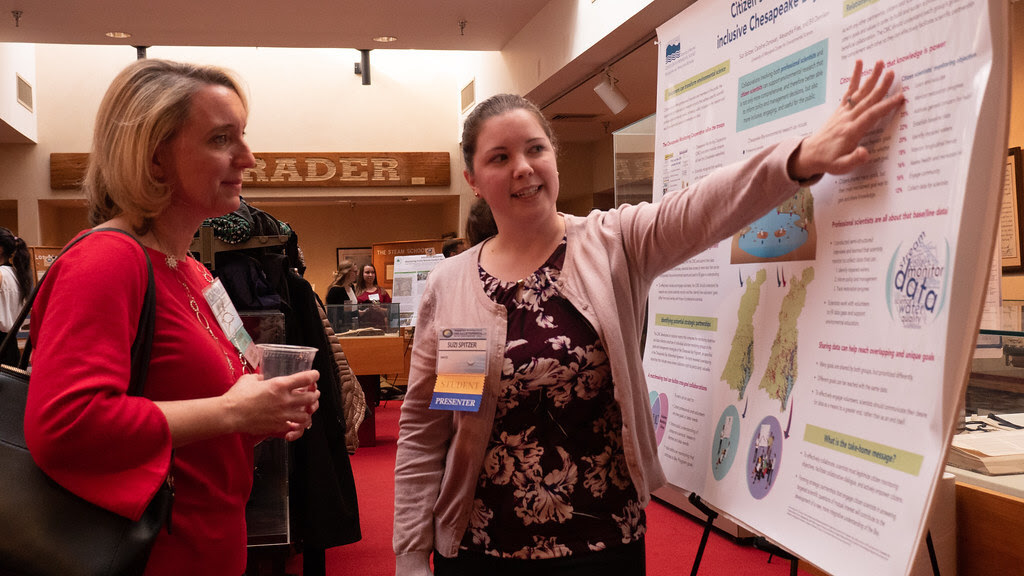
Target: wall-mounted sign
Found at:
x=305, y=169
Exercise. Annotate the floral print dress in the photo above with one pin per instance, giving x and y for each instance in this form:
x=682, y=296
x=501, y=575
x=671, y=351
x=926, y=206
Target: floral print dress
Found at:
x=554, y=481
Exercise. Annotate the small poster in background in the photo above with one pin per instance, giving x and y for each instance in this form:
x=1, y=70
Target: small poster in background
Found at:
x=42, y=258
x=410, y=278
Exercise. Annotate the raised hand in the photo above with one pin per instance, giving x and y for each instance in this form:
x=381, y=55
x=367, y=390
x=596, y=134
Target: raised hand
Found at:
x=835, y=148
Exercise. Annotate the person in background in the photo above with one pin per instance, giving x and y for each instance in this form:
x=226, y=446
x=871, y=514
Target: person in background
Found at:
x=551, y=473
x=453, y=246
x=367, y=289
x=480, y=222
x=342, y=290
x=168, y=152
x=15, y=285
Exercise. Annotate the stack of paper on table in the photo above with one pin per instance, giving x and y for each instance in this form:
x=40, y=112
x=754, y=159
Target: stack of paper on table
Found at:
x=996, y=452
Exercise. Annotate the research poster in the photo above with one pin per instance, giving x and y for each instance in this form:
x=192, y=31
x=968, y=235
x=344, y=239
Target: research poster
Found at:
x=804, y=373
x=409, y=282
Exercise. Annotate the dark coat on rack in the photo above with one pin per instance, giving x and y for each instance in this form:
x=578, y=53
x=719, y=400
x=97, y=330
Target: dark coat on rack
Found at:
x=323, y=493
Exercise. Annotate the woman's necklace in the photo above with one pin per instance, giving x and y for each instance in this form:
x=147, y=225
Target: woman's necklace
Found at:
x=172, y=263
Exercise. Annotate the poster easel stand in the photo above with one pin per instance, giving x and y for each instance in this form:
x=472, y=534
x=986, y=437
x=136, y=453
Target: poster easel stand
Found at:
x=711, y=515
x=763, y=544
x=931, y=553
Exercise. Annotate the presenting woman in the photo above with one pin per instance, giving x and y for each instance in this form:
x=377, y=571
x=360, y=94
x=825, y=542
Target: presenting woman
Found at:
x=550, y=471
x=168, y=152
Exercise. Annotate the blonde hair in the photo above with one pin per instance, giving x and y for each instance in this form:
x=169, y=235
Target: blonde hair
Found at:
x=146, y=104
x=344, y=267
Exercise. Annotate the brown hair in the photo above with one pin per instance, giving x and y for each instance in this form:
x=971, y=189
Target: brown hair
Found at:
x=361, y=281
x=496, y=106
x=146, y=104
x=480, y=223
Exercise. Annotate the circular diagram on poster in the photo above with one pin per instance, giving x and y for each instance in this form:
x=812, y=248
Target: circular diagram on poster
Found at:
x=726, y=442
x=659, y=410
x=765, y=457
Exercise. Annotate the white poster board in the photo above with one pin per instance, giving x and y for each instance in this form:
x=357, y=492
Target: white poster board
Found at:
x=409, y=281
x=804, y=375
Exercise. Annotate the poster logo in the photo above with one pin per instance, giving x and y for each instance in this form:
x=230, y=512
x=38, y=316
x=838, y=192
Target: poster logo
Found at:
x=673, y=51
x=916, y=282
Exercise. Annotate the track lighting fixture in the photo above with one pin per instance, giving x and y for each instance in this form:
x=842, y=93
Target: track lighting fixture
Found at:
x=610, y=94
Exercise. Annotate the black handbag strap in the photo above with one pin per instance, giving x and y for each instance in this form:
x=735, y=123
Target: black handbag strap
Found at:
x=141, y=346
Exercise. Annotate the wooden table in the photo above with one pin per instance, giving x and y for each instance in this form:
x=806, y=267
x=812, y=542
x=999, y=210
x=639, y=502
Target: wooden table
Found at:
x=369, y=357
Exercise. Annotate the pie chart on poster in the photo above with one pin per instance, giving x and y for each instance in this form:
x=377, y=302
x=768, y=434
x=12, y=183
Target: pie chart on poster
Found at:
x=659, y=410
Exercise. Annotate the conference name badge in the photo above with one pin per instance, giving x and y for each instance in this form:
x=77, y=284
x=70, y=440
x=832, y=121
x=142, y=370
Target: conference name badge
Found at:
x=229, y=320
x=461, y=368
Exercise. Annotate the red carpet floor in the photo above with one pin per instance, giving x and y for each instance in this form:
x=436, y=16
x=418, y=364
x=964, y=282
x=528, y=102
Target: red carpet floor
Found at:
x=672, y=538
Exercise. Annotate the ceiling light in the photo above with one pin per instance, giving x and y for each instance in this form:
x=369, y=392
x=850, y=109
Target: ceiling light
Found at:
x=385, y=39
x=118, y=35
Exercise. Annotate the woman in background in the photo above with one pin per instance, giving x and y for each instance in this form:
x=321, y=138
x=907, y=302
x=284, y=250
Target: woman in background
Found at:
x=342, y=290
x=15, y=285
x=367, y=289
x=480, y=222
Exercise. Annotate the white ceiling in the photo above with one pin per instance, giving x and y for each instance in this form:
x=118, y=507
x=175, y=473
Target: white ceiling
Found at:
x=417, y=24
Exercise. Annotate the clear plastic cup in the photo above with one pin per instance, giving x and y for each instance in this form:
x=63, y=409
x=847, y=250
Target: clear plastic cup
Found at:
x=284, y=359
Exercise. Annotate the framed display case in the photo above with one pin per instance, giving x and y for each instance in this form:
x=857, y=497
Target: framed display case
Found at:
x=364, y=319
x=1011, y=240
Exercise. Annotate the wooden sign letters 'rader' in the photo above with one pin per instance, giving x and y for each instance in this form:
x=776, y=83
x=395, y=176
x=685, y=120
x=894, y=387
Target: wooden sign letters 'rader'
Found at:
x=307, y=169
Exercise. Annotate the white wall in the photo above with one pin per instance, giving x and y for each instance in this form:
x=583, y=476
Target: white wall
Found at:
x=561, y=32
x=300, y=99
x=17, y=60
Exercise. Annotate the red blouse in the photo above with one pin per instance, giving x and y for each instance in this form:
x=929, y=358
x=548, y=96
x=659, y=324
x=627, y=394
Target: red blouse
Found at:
x=378, y=295
x=114, y=449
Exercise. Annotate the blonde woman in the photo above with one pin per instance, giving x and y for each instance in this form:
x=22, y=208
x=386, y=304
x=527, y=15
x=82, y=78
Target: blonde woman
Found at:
x=343, y=290
x=168, y=152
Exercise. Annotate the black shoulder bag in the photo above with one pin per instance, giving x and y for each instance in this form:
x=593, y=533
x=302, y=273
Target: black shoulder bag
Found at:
x=46, y=530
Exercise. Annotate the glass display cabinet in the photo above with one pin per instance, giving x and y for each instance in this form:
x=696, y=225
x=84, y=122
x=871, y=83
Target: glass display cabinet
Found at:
x=377, y=350
x=366, y=319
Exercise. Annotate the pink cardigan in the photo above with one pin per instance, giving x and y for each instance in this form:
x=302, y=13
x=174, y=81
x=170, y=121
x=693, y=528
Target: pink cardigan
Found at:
x=612, y=258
